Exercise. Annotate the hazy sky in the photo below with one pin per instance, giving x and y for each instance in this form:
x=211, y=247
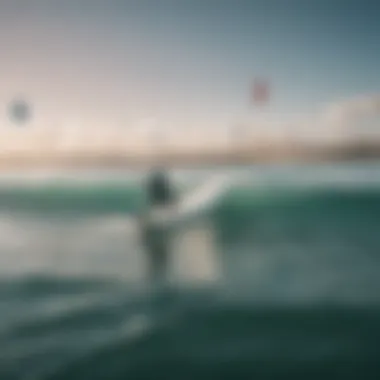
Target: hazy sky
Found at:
x=183, y=63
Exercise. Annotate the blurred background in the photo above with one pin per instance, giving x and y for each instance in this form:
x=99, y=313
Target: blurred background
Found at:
x=278, y=277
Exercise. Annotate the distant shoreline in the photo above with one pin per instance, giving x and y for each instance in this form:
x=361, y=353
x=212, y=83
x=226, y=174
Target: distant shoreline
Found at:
x=111, y=160
x=142, y=164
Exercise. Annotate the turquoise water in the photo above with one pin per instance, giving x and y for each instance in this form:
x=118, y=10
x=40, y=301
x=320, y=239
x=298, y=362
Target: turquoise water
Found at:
x=297, y=293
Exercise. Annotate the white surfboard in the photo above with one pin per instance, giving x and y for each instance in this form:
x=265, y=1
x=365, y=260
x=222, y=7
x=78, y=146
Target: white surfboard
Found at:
x=194, y=257
x=193, y=204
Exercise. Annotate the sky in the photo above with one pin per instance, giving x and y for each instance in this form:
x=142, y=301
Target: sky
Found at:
x=184, y=64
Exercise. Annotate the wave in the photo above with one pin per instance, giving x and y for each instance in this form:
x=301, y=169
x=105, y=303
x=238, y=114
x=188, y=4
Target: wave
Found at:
x=298, y=295
x=226, y=341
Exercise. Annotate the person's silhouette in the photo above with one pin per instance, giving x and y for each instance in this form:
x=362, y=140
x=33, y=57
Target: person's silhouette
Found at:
x=160, y=191
x=160, y=194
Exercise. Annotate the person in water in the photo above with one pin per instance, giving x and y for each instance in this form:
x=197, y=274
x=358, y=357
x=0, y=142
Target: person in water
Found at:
x=160, y=191
x=160, y=195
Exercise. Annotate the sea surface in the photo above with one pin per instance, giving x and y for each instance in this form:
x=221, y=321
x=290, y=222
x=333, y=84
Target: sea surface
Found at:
x=291, y=290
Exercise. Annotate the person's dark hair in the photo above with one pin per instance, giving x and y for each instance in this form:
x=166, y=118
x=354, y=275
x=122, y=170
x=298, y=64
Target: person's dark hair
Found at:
x=159, y=188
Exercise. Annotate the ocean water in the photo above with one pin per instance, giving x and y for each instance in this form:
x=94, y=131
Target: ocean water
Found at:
x=291, y=290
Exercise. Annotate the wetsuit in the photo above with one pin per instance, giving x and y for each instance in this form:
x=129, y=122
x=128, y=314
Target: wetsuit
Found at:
x=157, y=238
